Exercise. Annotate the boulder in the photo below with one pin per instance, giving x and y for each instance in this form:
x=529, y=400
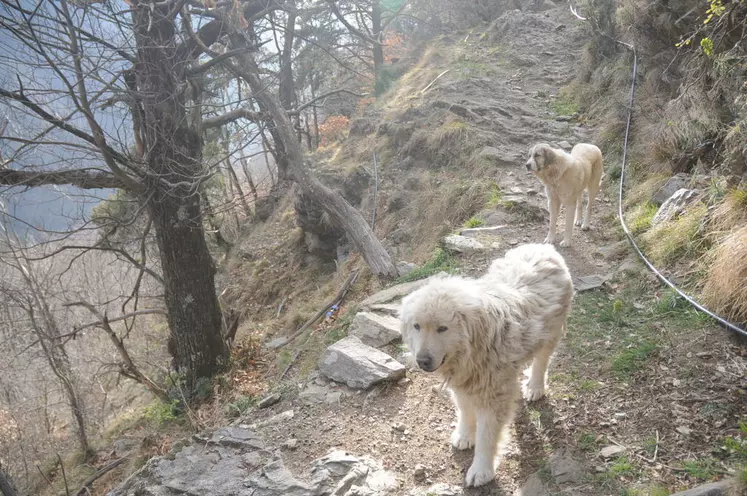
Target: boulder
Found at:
x=678, y=181
x=358, y=365
x=462, y=244
x=675, y=205
x=375, y=330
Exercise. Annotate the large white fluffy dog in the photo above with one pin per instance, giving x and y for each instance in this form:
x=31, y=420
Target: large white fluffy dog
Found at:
x=480, y=334
x=566, y=176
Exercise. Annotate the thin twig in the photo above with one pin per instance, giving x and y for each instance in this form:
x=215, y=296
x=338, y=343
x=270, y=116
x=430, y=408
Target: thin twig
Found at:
x=64, y=475
x=290, y=364
x=376, y=190
x=337, y=299
x=431, y=83
x=103, y=470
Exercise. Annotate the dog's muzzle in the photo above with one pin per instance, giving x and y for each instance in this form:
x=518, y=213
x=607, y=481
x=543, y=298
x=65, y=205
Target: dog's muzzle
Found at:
x=528, y=166
x=425, y=362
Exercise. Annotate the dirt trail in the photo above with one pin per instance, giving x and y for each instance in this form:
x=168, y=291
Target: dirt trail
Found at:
x=408, y=424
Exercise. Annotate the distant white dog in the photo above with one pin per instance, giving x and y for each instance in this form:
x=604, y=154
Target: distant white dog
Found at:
x=566, y=176
x=480, y=334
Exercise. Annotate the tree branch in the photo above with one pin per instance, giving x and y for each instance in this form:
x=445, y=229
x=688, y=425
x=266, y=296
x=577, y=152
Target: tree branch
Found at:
x=80, y=178
x=353, y=30
x=326, y=95
x=38, y=110
x=129, y=365
x=234, y=115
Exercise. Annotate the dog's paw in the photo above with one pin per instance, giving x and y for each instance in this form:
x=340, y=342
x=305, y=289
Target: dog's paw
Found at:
x=566, y=243
x=577, y=223
x=461, y=440
x=549, y=240
x=480, y=474
x=585, y=227
x=534, y=392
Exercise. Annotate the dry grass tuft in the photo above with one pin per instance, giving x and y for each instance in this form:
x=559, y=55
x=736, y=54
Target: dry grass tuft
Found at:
x=730, y=213
x=725, y=290
x=669, y=241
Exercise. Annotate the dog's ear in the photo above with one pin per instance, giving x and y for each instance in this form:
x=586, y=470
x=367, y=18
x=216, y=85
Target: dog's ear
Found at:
x=547, y=155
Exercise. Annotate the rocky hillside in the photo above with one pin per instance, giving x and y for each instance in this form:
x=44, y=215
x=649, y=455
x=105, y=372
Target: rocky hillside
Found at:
x=646, y=396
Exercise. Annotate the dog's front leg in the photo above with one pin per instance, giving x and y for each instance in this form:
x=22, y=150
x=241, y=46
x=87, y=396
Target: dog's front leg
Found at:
x=553, y=203
x=489, y=425
x=463, y=436
x=570, y=209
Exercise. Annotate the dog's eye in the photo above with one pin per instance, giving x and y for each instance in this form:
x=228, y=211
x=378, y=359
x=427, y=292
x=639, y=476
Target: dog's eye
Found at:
x=442, y=329
x=417, y=327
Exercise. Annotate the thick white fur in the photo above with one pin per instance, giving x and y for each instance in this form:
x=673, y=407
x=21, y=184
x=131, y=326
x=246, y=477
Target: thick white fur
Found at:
x=495, y=326
x=566, y=176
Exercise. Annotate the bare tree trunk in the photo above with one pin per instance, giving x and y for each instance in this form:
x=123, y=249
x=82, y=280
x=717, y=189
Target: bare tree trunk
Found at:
x=266, y=150
x=7, y=488
x=316, y=116
x=236, y=184
x=174, y=159
x=378, y=49
x=341, y=212
x=287, y=87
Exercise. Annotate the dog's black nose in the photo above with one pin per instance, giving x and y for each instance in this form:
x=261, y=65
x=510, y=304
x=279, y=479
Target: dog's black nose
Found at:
x=529, y=166
x=425, y=363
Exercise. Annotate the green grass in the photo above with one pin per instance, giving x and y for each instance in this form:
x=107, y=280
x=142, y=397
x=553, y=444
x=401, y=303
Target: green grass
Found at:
x=705, y=469
x=627, y=362
x=640, y=217
x=587, y=441
x=564, y=105
x=669, y=241
x=160, y=413
x=442, y=261
x=474, y=222
x=240, y=405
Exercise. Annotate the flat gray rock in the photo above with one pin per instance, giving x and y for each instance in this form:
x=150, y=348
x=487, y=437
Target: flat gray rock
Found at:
x=720, y=488
x=462, y=244
x=593, y=281
x=358, y=365
x=565, y=468
x=394, y=292
x=375, y=330
x=534, y=486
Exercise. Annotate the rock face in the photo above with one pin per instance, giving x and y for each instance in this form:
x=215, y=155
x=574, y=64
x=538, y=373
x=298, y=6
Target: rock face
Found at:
x=675, y=205
x=462, y=244
x=341, y=473
x=720, y=488
x=678, y=181
x=359, y=366
x=375, y=330
x=233, y=461
x=229, y=462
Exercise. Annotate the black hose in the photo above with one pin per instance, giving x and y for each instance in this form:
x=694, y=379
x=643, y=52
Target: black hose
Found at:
x=722, y=321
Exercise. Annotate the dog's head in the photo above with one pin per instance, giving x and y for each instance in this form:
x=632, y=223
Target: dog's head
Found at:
x=436, y=321
x=540, y=156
